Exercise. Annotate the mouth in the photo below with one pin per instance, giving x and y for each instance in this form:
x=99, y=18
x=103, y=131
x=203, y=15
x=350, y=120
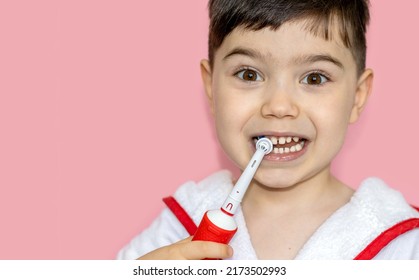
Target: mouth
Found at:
x=285, y=145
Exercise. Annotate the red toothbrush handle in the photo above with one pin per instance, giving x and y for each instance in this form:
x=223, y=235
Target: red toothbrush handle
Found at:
x=209, y=231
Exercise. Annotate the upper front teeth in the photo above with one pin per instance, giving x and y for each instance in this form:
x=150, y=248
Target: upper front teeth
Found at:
x=282, y=140
x=286, y=140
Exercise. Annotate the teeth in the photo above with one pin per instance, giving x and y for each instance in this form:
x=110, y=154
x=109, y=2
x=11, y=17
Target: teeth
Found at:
x=274, y=140
x=285, y=150
x=283, y=140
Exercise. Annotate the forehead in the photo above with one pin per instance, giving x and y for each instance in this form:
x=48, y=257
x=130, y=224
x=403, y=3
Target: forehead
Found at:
x=289, y=42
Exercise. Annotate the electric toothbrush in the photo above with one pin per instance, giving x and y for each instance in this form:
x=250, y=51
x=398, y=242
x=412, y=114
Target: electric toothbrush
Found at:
x=219, y=225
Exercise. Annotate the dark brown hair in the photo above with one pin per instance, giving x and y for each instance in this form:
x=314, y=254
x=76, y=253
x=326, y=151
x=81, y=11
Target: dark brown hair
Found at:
x=351, y=16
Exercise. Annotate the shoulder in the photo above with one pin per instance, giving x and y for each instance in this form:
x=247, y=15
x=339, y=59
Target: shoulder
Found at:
x=404, y=247
x=374, y=196
x=387, y=206
x=375, y=210
x=209, y=193
x=195, y=198
x=164, y=230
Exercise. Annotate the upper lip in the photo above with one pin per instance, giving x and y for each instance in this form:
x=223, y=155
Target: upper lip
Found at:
x=280, y=134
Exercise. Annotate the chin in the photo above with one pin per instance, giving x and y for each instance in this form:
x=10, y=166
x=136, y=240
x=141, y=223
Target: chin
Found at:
x=276, y=181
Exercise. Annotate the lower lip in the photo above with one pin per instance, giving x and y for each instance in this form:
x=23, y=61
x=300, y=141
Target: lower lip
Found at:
x=287, y=156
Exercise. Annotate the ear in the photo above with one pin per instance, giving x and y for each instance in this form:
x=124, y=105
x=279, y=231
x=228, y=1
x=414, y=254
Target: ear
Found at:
x=206, y=76
x=363, y=91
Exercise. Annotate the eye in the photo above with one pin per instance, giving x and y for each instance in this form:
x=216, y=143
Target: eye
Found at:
x=315, y=78
x=248, y=75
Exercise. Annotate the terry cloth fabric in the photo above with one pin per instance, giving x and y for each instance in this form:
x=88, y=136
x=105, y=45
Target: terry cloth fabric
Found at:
x=373, y=209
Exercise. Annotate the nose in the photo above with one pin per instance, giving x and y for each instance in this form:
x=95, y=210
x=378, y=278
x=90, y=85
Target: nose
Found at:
x=280, y=103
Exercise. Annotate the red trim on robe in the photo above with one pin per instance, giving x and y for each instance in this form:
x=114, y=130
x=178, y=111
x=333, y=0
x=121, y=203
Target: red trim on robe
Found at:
x=181, y=214
x=386, y=237
x=367, y=254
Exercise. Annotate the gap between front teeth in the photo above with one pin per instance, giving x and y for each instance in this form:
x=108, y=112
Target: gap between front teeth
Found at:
x=286, y=140
x=283, y=140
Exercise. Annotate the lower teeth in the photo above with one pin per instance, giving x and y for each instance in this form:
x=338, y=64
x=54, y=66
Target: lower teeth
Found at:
x=296, y=148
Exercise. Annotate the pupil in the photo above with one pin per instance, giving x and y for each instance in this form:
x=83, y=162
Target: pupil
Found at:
x=314, y=79
x=250, y=75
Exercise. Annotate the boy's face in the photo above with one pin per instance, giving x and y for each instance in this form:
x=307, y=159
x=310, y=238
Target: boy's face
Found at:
x=286, y=85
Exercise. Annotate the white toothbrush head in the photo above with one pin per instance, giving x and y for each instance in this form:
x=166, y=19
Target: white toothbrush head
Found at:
x=265, y=145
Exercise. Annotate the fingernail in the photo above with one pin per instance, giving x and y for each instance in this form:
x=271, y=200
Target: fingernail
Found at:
x=230, y=251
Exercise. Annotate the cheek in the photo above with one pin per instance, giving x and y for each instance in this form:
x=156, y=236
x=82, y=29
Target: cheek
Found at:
x=334, y=125
x=224, y=112
x=232, y=112
x=232, y=108
x=228, y=127
x=226, y=121
x=336, y=107
x=332, y=121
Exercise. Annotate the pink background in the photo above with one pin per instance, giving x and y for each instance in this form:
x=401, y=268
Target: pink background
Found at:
x=97, y=100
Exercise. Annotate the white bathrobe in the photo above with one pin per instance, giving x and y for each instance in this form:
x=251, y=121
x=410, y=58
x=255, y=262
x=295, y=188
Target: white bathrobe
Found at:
x=373, y=209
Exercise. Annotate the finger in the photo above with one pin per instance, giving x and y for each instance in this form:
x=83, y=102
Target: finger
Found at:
x=197, y=250
x=186, y=240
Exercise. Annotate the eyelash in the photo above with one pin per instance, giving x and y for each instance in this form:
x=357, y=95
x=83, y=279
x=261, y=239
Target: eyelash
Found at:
x=319, y=72
x=242, y=69
x=259, y=76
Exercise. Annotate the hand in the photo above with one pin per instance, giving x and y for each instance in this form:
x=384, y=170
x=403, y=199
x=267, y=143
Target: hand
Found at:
x=187, y=249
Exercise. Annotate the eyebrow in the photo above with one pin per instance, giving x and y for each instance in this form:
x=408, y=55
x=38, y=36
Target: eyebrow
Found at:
x=244, y=51
x=311, y=58
x=301, y=59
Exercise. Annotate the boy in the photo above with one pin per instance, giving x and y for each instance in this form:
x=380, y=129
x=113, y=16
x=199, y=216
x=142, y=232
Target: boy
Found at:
x=292, y=71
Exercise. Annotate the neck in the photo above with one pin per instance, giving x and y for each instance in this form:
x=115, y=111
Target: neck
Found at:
x=320, y=190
